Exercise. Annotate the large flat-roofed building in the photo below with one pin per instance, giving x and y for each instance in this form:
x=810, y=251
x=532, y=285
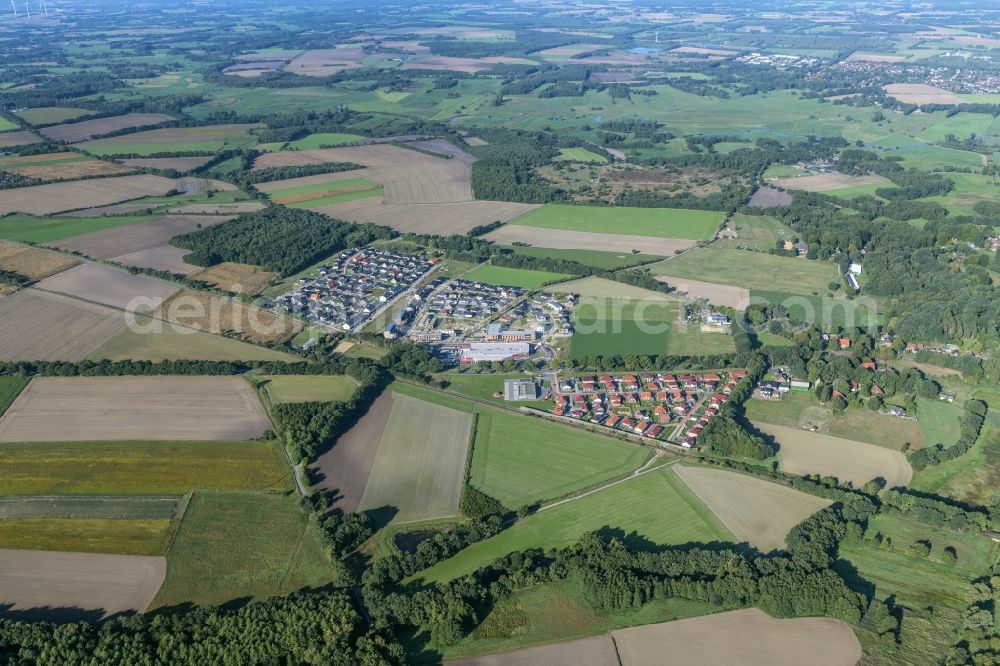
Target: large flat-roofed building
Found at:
x=494, y=351
x=520, y=389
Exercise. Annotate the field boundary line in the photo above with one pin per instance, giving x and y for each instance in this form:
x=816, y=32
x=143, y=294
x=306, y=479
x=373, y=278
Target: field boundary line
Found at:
x=707, y=506
x=637, y=473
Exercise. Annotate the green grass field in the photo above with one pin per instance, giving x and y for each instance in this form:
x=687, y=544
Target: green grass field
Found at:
x=29, y=229
x=10, y=387
x=755, y=270
x=611, y=261
x=320, y=190
x=307, y=388
x=46, y=115
x=420, y=463
x=761, y=232
x=655, y=507
x=579, y=155
x=7, y=126
x=241, y=544
x=798, y=409
x=608, y=327
x=939, y=420
x=324, y=139
x=972, y=477
x=88, y=535
x=825, y=312
x=140, y=468
x=170, y=344
x=484, y=386
x=660, y=222
x=513, y=277
x=521, y=459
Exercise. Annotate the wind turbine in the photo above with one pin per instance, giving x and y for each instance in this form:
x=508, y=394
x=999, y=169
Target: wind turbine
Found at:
x=14, y=5
x=27, y=5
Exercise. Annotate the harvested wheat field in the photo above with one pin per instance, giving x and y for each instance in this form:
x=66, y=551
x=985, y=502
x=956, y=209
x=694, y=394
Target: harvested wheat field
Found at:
x=72, y=195
x=920, y=93
x=804, y=452
x=214, y=314
x=32, y=263
x=443, y=147
x=21, y=138
x=747, y=637
x=81, y=131
x=171, y=138
x=109, y=286
x=756, y=511
x=129, y=238
x=181, y=164
x=444, y=219
x=218, y=209
x=585, y=240
x=825, y=182
x=408, y=176
x=570, y=50
x=874, y=57
x=346, y=466
x=160, y=258
x=167, y=408
x=236, y=278
x=595, y=287
x=45, y=585
x=70, y=171
x=716, y=294
x=469, y=65
x=38, y=326
x=324, y=62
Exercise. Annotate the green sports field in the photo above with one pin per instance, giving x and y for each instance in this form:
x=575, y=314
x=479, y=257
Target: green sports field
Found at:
x=660, y=222
x=656, y=507
x=140, y=468
x=307, y=388
x=613, y=326
x=521, y=459
x=242, y=544
x=513, y=277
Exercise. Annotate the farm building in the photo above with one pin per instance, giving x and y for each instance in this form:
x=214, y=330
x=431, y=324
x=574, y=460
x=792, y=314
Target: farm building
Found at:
x=853, y=281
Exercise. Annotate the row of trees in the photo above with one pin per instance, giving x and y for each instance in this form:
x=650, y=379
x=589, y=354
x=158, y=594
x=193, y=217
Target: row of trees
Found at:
x=971, y=425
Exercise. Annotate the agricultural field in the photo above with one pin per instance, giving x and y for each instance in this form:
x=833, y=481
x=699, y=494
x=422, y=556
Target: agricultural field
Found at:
x=275, y=551
x=36, y=325
x=758, y=232
x=623, y=508
x=88, y=535
x=213, y=314
x=99, y=468
x=674, y=223
x=749, y=270
x=10, y=387
x=236, y=278
x=585, y=241
x=30, y=229
x=580, y=155
x=802, y=410
x=169, y=342
x=442, y=219
x=76, y=586
x=146, y=234
x=513, y=277
x=181, y=164
x=324, y=139
x=60, y=409
x=115, y=288
x=345, y=467
x=83, y=130
x=60, y=166
x=321, y=190
x=209, y=138
x=77, y=194
x=32, y=263
x=608, y=260
x=46, y=115
x=756, y=511
x=407, y=176
x=939, y=420
x=803, y=452
x=602, y=288
x=418, y=470
x=306, y=388
x=831, y=183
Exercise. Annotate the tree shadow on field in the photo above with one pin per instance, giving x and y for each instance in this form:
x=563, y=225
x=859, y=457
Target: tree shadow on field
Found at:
x=846, y=570
x=58, y=614
x=639, y=542
x=381, y=516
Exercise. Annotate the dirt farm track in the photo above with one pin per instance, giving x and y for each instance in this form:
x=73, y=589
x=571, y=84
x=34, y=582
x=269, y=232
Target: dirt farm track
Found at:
x=67, y=409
